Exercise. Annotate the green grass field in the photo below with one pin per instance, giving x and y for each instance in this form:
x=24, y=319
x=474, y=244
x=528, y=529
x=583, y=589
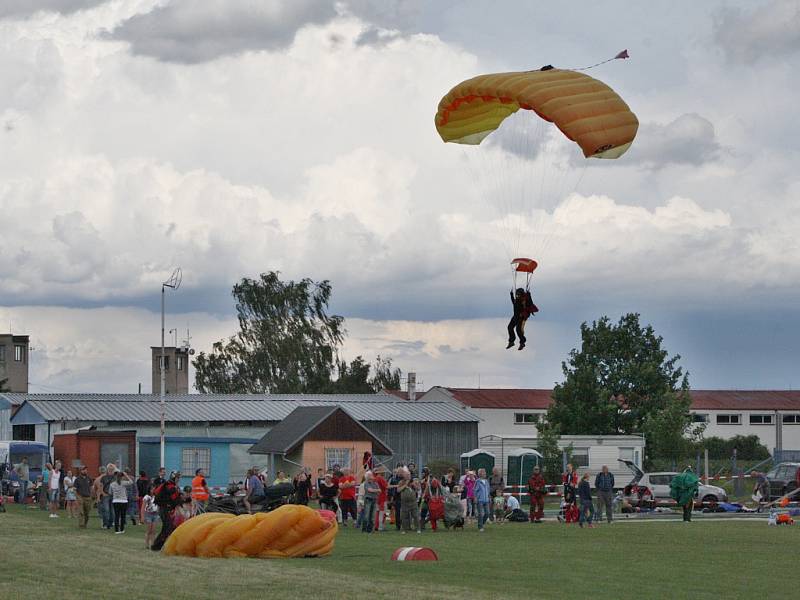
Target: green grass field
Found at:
x=51, y=558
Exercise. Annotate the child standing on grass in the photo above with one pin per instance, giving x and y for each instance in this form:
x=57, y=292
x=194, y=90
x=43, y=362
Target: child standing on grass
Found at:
x=70, y=495
x=499, y=506
x=149, y=516
x=585, y=498
x=469, y=487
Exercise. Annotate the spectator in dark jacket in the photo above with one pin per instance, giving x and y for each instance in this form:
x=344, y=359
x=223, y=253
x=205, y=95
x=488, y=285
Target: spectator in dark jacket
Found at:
x=142, y=489
x=302, y=488
x=585, y=499
x=604, y=484
x=168, y=497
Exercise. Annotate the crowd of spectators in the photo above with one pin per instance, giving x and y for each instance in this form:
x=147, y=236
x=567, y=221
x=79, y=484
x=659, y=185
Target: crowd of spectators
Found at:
x=404, y=497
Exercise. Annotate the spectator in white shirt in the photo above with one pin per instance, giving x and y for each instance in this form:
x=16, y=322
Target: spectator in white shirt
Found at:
x=54, y=491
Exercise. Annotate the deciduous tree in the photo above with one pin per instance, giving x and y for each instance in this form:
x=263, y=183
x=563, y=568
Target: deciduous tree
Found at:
x=622, y=381
x=287, y=343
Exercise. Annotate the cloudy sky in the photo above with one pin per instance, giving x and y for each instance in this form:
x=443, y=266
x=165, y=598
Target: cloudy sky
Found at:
x=232, y=137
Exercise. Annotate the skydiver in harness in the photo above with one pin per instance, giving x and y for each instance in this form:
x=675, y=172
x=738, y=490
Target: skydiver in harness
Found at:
x=523, y=308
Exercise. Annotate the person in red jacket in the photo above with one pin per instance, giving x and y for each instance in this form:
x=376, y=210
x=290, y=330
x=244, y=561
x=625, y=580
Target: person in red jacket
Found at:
x=347, y=496
x=536, y=491
x=382, y=497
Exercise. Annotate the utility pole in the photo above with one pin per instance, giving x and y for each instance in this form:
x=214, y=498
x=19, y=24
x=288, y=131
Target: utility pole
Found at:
x=174, y=282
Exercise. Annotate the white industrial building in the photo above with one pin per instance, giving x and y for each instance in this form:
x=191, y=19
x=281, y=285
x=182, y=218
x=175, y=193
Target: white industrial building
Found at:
x=508, y=419
x=512, y=415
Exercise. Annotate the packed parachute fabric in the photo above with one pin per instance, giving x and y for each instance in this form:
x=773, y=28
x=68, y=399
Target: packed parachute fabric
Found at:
x=683, y=487
x=586, y=110
x=290, y=531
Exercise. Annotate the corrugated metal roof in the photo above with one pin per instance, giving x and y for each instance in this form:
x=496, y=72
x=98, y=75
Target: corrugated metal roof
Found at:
x=364, y=407
x=18, y=398
x=290, y=432
x=108, y=409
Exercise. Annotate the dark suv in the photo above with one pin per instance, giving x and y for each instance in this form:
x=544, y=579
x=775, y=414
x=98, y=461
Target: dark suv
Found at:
x=783, y=478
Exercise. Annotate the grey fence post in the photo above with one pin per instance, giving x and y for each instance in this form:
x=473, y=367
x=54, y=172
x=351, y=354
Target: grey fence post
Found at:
x=737, y=482
x=697, y=470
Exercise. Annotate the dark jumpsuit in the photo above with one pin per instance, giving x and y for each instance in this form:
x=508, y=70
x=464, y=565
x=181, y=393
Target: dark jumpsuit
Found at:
x=517, y=322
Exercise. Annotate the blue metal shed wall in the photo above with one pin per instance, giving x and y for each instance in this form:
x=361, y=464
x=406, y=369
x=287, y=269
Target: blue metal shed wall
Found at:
x=220, y=458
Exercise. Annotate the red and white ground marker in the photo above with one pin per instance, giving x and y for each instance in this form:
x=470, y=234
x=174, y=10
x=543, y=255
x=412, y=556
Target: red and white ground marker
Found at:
x=413, y=553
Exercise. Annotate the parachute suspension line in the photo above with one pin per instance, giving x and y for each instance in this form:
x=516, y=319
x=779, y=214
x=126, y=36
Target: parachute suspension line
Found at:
x=556, y=228
x=458, y=121
x=480, y=185
x=623, y=54
x=514, y=279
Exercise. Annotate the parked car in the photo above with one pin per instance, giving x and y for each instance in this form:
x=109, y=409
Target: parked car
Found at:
x=783, y=478
x=657, y=490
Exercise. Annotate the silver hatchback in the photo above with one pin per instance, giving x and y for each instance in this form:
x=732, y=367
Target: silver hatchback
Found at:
x=658, y=486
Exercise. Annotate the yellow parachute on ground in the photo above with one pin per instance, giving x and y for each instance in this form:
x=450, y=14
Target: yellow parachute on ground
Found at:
x=287, y=532
x=586, y=110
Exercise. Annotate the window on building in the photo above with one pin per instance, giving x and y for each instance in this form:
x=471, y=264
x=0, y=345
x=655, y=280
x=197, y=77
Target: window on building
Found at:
x=761, y=420
x=166, y=362
x=626, y=454
x=525, y=418
x=698, y=418
x=179, y=363
x=116, y=453
x=729, y=420
x=580, y=457
x=2, y=354
x=791, y=419
x=195, y=458
x=19, y=353
x=24, y=433
x=338, y=456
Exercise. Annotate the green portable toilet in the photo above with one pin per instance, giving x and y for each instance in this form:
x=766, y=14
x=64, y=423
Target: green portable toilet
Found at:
x=477, y=459
x=520, y=466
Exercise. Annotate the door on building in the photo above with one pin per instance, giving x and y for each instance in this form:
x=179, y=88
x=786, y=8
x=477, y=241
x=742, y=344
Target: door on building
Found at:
x=115, y=452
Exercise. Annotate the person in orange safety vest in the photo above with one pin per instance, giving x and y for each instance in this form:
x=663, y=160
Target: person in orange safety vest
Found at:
x=200, y=492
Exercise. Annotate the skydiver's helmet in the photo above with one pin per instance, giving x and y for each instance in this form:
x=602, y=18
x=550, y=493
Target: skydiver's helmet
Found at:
x=520, y=292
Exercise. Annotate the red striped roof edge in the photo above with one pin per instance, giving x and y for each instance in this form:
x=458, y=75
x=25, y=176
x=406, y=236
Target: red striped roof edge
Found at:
x=503, y=398
x=701, y=399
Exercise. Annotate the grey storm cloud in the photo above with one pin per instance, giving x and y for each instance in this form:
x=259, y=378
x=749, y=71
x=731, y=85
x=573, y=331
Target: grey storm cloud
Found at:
x=767, y=31
x=690, y=139
x=388, y=20
x=24, y=8
x=186, y=31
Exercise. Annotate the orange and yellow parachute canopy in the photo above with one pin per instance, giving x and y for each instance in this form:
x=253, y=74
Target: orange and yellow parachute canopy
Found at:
x=586, y=110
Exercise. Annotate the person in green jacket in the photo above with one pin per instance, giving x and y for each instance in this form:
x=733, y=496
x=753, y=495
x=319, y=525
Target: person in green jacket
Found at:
x=683, y=489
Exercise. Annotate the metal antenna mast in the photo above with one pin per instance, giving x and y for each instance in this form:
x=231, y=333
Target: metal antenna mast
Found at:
x=174, y=282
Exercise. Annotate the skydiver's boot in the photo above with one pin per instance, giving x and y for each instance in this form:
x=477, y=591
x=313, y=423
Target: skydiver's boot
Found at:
x=512, y=337
x=521, y=345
